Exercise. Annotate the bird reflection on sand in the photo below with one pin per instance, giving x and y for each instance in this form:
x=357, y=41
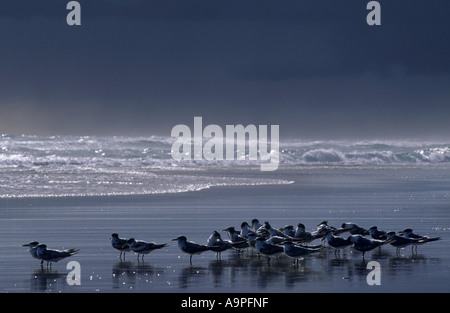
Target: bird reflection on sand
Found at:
x=47, y=280
x=238, y=272
x=126, y=274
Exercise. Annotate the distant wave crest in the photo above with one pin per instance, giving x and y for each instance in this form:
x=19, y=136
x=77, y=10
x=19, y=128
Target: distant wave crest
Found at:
x=52, y=166
x=365, y=154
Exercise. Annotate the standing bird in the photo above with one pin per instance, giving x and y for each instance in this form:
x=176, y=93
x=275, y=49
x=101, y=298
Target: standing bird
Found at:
x=401, y=242
x=375, y=233
x=302, y=234
x=267, y=249
x=120, y=244
x=217, y=244
x=296, y=252
x=277, y=240
x=142, y=248
x=365, y=244
x=53, y=256
x=272, y=231
x=215, y=237
x=337, y=243
x=408, y=233
x=239, y=242
x=255, y=224
x=245, y=228
x=190, y=247
x=33, y=249
x=352, y=228
x=288, y=230
x=251, y=240
x=322, y=229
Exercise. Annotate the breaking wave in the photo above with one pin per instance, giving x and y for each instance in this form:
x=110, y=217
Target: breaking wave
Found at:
x=401, y=153
x=52, y=166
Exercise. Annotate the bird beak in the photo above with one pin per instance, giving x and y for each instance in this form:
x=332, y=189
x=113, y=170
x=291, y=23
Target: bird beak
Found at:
x=25, y=245
x=174, y=239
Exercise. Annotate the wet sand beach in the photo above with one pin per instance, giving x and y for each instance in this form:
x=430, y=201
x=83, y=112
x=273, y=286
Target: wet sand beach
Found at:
x=391, y=199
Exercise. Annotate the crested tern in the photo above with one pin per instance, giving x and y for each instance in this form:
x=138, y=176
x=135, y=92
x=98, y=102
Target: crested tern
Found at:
x=239, y=242
x=32, y=248
x=276, y=240
x=217, y=244
x=400, y=242
x=408, y=233
x=267, y=249
x=53, y=256
x=190, y=247
x=288, y=230
x=120, y=244
x=245, y=228
x=322, y=229
x=255, y=224
x=213, y=238
x=375, y=233
x=365, y=244
x=302, y=234
x=352, y=228
x=296, y=252
x=272, y=231
x=251, y=239
x=335, y=242
x=142, y=247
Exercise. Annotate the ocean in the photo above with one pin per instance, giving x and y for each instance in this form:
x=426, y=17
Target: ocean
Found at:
x=58, y=166
x=74, y=192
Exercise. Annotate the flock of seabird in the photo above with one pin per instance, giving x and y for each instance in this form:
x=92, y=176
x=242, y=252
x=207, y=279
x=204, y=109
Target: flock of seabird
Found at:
x=40, y=252
x=266, y=240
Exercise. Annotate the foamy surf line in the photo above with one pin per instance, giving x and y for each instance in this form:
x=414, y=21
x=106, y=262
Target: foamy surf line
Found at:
x=71, y=166
x=155, y=152
x=190, y=188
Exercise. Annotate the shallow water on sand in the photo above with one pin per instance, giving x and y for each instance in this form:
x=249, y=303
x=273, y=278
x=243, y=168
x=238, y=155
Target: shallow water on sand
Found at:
x=392, y=199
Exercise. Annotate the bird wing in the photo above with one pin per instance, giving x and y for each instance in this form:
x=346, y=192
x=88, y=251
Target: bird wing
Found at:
x=192, y=246
x=157, y=246
x=401, y=241
x=119, y=243
x=139, y=246
x=338, y=242
x=270, y=249
x=59, y=254
x=428, y=239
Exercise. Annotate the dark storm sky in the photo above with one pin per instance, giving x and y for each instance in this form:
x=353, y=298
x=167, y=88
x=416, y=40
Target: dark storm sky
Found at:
x=140, y=67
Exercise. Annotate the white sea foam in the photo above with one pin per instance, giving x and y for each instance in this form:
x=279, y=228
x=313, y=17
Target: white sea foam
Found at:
x=52, y=166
